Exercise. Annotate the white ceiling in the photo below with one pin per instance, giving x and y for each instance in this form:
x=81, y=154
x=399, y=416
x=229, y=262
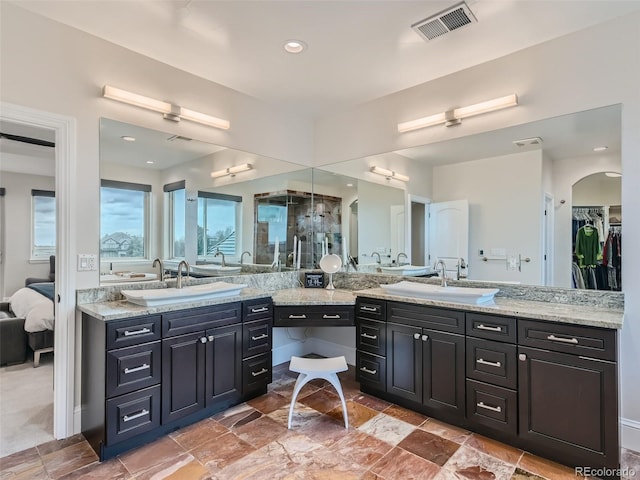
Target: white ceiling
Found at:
x=358, y=50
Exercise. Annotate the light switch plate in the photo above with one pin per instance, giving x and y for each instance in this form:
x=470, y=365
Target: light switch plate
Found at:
x=87, y=262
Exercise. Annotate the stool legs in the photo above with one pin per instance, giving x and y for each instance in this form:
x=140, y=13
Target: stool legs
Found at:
x=332, y=378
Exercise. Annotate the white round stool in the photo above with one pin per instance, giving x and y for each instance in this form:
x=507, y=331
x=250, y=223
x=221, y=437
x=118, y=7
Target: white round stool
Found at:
x=325, y=368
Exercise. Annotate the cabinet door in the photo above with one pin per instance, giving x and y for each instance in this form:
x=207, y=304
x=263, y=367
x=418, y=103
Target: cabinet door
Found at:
x=568, y=407
x=443, y=366
x=224, y=363
x=404, y=361
x=183, y=368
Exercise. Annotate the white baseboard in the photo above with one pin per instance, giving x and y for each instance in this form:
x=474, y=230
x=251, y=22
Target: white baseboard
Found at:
x=313, y=345
x=630, y=433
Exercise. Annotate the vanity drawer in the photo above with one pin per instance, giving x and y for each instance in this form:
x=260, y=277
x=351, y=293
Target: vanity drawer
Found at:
x=575, y=339
x=132, y=414
x=259, y=309
x=309, y=316
x=491, y=406
x=256, y=373
x=492, y=327
x=133, y=368
x=132, y=331
x=371, y=370
x=492, y=362
x=371, y=308
x=197, y=319
x=441, y=319
x=256, y=338
x=371, y=336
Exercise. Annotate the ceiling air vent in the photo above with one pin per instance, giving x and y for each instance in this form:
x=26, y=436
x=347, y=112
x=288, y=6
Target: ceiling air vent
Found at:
x=451, y=19
x=528, y=141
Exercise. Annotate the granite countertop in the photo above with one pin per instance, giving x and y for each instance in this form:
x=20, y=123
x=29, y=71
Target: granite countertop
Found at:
x=554, y=312
x=313, y=296
x=123, y=309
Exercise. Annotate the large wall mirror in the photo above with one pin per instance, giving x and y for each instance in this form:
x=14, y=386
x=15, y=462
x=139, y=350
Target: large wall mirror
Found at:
x=528, y=190
x=173, y=197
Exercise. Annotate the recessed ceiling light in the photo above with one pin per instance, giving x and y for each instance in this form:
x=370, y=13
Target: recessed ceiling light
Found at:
x=349, y=184
x=128, y=138
x=294, y=46
x=613, y=174
x=600, y=149
x=150, y=162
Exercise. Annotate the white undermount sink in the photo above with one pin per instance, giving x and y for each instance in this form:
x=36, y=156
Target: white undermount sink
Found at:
x=215, y=270
x=407, y=270
x=436, y=292
x=164, y=296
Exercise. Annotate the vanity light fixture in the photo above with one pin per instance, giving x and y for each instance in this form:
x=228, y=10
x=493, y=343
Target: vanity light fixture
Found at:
x=231, y=170
x=128, y=138
x=454, y=116
x=389, y=174
x=171, y=112
x=600, y=149
x=613, y=174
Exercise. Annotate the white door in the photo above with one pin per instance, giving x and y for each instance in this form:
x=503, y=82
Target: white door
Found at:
x=397, y=229
x=449, y=234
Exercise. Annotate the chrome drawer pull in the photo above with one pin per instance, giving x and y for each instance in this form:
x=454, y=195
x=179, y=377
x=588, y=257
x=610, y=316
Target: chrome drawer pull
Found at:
x=489, y=407
x=141, y=413
x=259, y=310
x=482, y=361
x=370, y=337
x=491, y=329
x=553, y=338
x=298, y=316
x=366, y=370
x=261, y=372
x=144, y=366
x=368, y=309
x=260, y=337
x=128, y=333
x=330, y=316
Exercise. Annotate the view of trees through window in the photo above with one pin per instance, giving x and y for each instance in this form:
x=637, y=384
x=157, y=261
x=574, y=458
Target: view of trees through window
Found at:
x=217, y=226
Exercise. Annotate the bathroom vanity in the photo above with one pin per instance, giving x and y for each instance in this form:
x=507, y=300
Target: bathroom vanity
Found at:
x=542, y=377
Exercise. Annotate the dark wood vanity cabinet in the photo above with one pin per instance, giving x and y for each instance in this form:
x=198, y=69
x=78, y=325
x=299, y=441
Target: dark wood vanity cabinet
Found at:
x=425, y=364
x=547, y=387
x=568, y=392
x=313, y=316
x=145, y=376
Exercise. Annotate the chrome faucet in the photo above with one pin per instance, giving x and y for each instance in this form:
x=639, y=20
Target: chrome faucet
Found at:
x=158, y=262
x=242, y=256
x=220, y=253
x=179, y=278
x=376, y=253
x=443, y=281
x=461, y=266
x=402, y=254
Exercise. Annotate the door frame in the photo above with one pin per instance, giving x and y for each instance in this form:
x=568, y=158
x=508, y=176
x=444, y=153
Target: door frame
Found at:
x=548, y=233
x=411, y=198
x=64, y=332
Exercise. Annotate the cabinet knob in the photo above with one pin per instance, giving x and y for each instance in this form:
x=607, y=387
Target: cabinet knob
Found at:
x=203, y=339
x=522, y=357
x=211, y=337
x=416, y=336
x=425, y=338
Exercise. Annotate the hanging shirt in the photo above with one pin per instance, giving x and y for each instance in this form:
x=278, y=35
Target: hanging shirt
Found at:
x=588, y=246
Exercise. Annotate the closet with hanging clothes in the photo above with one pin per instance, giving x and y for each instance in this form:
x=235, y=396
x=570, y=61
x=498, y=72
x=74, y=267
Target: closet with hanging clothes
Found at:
x=597, y=256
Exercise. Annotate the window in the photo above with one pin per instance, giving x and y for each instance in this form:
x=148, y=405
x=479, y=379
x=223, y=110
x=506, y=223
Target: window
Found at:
x=124, y=219
x=175, y=194
x=43, y=224
x=218, y=221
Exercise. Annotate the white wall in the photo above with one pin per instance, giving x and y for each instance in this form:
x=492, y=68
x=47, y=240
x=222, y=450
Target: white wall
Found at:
x=17, y=225
x=598, y=189
x=505, y=201
x=595, y=67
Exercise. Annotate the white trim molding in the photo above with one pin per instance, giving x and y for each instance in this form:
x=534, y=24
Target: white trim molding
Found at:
x=630, y=433
x=64, y=334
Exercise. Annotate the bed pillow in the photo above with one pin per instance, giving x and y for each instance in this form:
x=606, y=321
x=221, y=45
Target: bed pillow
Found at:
x=26, y=300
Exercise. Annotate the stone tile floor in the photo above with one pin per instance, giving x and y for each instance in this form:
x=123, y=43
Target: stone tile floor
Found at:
x=251, y=441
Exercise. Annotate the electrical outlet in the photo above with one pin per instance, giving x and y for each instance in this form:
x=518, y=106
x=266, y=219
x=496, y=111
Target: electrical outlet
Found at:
x=87, y=262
